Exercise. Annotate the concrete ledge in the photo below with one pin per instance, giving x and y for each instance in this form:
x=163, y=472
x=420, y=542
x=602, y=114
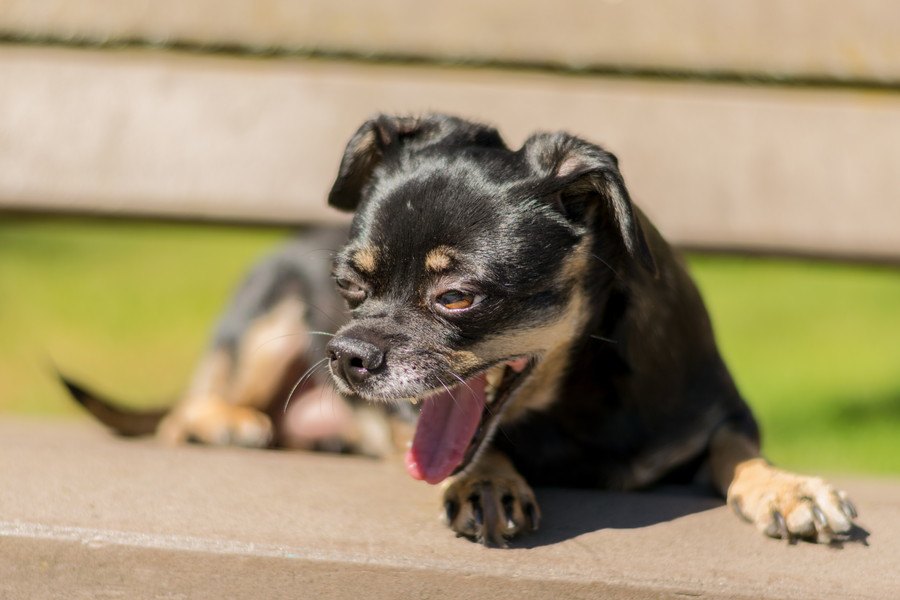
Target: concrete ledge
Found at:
x=813, y=39
x=162, y=133
x=83, y=515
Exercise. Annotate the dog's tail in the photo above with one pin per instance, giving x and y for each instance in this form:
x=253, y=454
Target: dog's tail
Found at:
x=121, y=420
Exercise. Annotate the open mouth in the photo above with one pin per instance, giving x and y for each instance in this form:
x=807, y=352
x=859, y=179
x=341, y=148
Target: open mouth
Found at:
x=455, y=424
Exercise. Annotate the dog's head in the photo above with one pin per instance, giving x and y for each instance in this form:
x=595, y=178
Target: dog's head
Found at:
x=466, y=266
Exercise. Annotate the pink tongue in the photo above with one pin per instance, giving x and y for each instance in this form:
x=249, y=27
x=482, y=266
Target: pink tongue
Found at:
x=446, y=426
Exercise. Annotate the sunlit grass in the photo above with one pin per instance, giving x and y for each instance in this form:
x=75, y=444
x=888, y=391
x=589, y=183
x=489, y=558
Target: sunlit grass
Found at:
x=815, y=347
x=128, y=306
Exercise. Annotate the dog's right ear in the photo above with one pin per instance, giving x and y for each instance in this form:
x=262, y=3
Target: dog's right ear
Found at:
x=385, y=134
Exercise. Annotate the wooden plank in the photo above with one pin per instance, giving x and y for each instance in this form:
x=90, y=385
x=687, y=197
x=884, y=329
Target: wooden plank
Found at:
x=160, y=133
x=817, y=39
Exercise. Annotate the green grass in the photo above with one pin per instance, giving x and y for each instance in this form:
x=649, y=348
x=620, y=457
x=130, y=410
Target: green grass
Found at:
x=815, y=347
x=128, y=305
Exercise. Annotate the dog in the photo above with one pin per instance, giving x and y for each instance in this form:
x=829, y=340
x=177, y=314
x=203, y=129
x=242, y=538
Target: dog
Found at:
x=518, y=311
x=260, y=384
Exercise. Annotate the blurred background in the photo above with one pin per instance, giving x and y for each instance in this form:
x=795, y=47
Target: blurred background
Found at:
x=151, y=150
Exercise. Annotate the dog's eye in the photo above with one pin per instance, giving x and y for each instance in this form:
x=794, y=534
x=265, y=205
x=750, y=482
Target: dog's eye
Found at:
x=351, y=291
x=456, y=300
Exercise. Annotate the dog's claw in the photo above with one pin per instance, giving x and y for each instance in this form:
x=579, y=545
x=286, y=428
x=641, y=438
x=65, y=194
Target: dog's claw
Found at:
x=451, y=509
x=735, y=504
x=848, y=509
x=533, y=516
x=477, y=509
x=508, y=508
x=778, y=527
x=819, y=516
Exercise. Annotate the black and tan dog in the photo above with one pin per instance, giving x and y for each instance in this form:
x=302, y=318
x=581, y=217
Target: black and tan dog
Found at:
x=495, y=290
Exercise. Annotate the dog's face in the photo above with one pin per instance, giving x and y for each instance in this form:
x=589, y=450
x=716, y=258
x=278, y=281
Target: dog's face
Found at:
x=466, y=266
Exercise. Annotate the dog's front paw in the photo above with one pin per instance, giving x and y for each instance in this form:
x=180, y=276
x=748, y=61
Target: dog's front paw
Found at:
x=490, y=504
x=218, y=424
x=785, y=505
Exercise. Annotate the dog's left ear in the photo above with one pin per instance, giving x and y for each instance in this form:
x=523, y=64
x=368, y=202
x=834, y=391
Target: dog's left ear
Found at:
x=580, y=176
x=364, y=151
x=384, y=136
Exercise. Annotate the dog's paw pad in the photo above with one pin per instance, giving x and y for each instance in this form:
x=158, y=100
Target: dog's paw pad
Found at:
x=490, y=510
x=788, y=506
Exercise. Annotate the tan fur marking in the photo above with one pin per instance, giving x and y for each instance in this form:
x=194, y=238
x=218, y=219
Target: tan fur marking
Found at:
x=206, y=391
x=541, y=388
x=575, y=267
x=492, y=464
x=366, y=259
x=439, y=259
x=462, y=361
x=211, y=378
x=551, y=339
x=266, y=351
x=365, y=144
x=552, y=342
x=569, y=165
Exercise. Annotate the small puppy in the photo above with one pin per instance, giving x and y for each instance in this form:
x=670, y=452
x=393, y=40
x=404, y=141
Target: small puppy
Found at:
x=496, y=290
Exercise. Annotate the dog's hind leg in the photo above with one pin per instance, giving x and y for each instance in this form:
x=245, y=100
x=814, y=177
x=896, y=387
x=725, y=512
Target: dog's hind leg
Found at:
x=779, y=503
x=206, y=415
x=232, y=389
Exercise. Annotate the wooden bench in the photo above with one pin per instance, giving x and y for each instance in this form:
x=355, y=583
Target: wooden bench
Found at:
x=766, y=126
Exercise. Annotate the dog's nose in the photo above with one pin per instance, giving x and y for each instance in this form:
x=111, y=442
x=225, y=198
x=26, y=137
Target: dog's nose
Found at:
x=354, y=359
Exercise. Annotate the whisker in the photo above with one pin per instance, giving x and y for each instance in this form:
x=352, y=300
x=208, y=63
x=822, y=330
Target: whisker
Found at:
x=604, y=339
x=607, y=265
x=292, y=334
x=305, y=377
x=322, y=391
x=448, y=391
x=330, y=251
x=322, y=312
x=330, y=383
x=277, y=337
x=506, y=435
x=462, y=381
x=487, y=406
